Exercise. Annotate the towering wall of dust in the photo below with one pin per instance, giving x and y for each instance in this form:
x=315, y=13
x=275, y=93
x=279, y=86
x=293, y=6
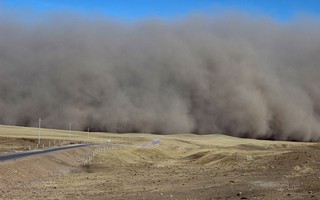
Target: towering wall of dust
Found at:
x=232, y=75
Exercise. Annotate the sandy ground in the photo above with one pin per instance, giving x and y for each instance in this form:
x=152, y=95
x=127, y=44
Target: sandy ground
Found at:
x=181, y=167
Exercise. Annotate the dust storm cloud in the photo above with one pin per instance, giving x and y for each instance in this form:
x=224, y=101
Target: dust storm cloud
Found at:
x=231, y=75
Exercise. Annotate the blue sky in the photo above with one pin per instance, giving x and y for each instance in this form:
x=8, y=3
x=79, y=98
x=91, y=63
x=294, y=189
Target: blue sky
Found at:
x=139, y=9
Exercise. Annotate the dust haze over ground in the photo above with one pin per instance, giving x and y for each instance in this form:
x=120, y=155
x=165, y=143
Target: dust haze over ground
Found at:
x=230, y=74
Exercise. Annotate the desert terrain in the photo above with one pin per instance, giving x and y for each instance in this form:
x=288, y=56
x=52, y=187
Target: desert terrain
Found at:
x=183, y=166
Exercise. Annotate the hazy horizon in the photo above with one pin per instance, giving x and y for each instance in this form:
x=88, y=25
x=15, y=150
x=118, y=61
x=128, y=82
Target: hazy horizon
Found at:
x=230, y=74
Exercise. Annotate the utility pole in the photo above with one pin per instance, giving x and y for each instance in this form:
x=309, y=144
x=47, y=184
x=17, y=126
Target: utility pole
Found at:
x=70, y=125
x=88, y=132
x=39, y=130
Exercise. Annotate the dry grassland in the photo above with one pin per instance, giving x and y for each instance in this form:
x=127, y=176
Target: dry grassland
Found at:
x=182, y=167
